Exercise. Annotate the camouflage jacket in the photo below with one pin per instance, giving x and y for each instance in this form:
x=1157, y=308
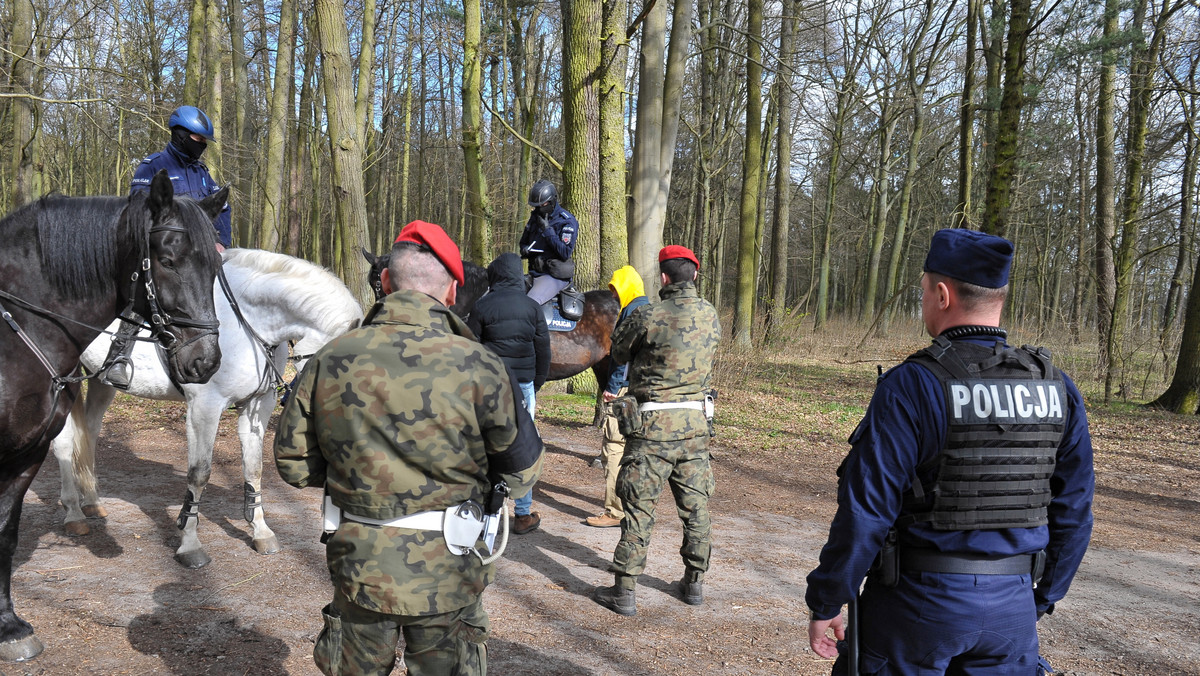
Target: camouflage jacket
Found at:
x=670, y=347
x=405, y=414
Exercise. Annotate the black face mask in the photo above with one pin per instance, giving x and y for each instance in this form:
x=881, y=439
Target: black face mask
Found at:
x=182, y=139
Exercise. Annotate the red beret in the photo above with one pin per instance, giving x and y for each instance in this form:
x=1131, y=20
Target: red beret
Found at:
x=676, y=251
x=438, y=242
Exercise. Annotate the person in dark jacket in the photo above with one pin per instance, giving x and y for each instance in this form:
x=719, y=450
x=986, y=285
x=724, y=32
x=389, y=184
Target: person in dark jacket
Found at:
x=511, y=325
x=191, y=132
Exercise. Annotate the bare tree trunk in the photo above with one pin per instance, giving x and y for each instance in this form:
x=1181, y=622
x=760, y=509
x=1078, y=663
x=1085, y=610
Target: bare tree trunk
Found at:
x=614, y=235
x=582, y=22
x=24, y=108
x=999, y=193
x=345, y=147
x=966, y=124
x=242, y=173
x=193, y=77
x=214, y=90
x=743, y=311
x=277, y=124
x=478, y=206
x=780, y=225
x=645, y=234
x=1106, y=215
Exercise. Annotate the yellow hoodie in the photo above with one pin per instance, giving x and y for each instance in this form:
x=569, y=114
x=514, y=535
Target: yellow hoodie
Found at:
x=628, y=284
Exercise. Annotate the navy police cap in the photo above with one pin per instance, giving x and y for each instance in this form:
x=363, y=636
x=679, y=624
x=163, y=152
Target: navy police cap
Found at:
x=970, y=256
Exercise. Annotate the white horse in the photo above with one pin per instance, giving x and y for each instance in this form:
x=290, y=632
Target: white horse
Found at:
x=282, y=299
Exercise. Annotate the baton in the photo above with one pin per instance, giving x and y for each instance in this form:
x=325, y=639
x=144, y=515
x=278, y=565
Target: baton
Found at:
x=852, y=634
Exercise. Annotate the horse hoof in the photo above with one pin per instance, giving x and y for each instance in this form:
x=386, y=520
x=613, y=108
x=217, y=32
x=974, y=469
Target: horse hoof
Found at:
x=267, y=545
x=77, y=528
x=193, y=559
x=95, y=510
x=21, y=649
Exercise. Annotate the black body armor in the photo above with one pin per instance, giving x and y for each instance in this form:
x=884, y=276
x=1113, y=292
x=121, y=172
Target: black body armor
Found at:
x=1006, y=413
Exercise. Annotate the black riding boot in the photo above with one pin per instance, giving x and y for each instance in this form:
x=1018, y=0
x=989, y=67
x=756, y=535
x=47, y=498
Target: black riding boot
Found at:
x=117, y=370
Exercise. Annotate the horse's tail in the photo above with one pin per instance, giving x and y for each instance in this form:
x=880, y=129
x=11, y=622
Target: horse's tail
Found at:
x=83, y=448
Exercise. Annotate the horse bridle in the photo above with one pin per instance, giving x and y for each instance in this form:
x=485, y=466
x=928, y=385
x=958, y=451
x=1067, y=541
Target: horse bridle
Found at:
x=159, y=319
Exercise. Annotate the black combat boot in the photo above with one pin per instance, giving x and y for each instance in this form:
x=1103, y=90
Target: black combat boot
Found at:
x=691, y=589
x=617, y=599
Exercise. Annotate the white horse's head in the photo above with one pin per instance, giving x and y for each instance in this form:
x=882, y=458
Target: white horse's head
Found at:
x=293, y=300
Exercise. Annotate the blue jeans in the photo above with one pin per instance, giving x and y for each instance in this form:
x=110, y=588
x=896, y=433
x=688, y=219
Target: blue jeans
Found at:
x=523, y=505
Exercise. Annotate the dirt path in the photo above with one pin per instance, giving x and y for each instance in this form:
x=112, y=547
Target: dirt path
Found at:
x=115, y=602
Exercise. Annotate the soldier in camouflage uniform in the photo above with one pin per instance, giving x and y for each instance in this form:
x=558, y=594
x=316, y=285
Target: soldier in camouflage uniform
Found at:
x=405, y=416
x=669, y=347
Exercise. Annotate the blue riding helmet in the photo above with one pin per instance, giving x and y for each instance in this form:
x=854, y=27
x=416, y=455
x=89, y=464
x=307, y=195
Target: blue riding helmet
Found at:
x=194, y=120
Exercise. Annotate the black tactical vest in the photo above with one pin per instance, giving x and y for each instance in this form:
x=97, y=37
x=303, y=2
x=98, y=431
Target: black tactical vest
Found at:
x=1006, y=413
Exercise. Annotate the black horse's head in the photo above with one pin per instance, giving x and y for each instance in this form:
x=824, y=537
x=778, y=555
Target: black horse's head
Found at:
x=179, y=265
x=375, y=272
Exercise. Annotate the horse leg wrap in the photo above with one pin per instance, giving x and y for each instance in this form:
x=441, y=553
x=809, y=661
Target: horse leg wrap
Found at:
x=252, y=500
x=190, y=510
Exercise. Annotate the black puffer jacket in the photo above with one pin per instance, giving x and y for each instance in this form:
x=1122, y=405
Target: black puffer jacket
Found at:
x=511, y=323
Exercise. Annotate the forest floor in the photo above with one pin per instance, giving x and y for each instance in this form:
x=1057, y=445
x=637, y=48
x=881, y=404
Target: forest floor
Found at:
x=115, y=601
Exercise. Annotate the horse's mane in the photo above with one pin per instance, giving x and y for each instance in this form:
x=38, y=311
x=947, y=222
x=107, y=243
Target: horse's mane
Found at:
x=80, y=240
x=83, y=240
x=310, y=289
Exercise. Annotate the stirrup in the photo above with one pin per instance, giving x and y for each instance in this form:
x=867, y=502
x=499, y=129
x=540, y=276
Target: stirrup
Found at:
x=119, y=373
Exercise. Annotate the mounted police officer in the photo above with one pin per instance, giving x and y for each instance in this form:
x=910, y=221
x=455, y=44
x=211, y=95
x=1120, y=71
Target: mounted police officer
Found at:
x=191, y=132
x=968, y=478
x=407, y=422
x=669, y=347
x=548, y=242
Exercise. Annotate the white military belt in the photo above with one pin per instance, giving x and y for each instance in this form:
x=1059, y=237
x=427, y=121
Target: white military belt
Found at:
x=662, y=405
x=418, y=521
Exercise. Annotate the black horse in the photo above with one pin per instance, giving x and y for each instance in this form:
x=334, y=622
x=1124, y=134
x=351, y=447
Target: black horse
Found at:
x=586, y=346
x=68, y=266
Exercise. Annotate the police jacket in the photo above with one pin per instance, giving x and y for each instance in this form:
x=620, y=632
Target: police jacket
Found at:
x=669, y=347
x=632, y=294
x=188, y=177
x=905, y=428
x=549, y=242
x=511, y=323
x=406, y=414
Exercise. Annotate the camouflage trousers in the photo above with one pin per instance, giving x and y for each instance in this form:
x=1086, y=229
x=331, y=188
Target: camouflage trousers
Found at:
x=360, y=642
x=646, y=466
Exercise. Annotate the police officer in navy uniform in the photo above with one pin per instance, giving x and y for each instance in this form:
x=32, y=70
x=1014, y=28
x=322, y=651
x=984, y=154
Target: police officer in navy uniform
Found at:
x=968, y=478
x=191, y=131
x=548, y=241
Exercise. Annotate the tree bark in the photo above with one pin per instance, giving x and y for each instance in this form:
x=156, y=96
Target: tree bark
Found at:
x=999, y=193
x=23, y=108
x=478, y=206
x=345, y=147
x=269, y=228
x=614, y=234
x=743, y=311
x=582, y=24
x=780, y=224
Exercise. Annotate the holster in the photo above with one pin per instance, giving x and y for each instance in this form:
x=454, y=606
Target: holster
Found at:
x=629, y=418
x=885, y=570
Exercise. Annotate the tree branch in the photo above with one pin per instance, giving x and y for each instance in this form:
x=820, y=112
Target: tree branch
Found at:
x=541, y=151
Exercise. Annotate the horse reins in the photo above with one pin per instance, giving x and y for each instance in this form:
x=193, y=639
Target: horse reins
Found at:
x=267, y=348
